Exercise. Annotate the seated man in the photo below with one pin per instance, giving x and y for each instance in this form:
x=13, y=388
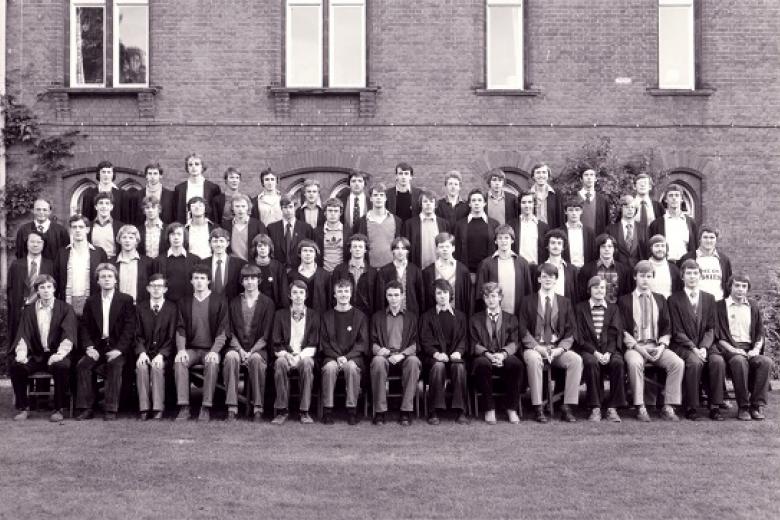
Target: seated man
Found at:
x=156, y=325
x=741, y=339
x=394, y=348
x=250, y=318
x=599, y=343
x=200, y=337
x=47, y=333
x=296, y=337
x=443, y=341
x=648, y=330
x=547, y=333
x=106, y=335
x=493, y=335
x=692, y=312
x=344, y=344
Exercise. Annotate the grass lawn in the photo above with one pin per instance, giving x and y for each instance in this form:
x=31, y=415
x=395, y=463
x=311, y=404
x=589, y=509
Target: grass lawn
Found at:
x=130, y=469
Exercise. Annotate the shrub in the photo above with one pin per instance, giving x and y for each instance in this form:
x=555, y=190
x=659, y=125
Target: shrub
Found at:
x=769, y=303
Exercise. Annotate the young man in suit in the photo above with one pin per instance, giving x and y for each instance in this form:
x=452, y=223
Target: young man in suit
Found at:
x=547, y=333
x=579, y=237
x=422, y=229
x=156, y=324
x=500, y=205
x=409, y=275
x=617, y=275
x=198, y=229
x=55, y=236
x=508, y=269
x=242, y=228
x=153, y=242
x=106, y=335
x=135, y=213
x=315, y=277
x=447, y=268
x=332, y=237
x=666, y=279
x=530, y=232
x=692, y=311
x=200, y=337
x=741, y=339
x=451, y=207
x=547, y=204
x=21, y=274
x=475, y=235
x=287, y=233
x=344, y=345
x=250, y=318
x=105, y=176
x=176, y=264
x=44, y=342
x=715, y=265
x=76, y=265
x=266, y=206
x=494, y=339
x=367, y=293
x=443, y=344
x=310, y=210
x=679, y=229
x=394, y=349
x=273, y=275
x=195, y=186
x=403, y=200
x=296, y=339
x=355, y=200
x=629, y=246
x=599, y=338
x=105, y=228
x=222, y=203
x=647, y=209
x=566, y=281
x=648, y=331
x=225, y=269
x=380, y=226
x=134, y=270
x=595, y=207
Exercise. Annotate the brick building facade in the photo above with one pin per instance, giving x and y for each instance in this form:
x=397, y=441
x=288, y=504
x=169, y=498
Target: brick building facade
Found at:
x=216, y=78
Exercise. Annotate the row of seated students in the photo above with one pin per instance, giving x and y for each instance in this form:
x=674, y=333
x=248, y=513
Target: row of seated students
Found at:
x=686, y=336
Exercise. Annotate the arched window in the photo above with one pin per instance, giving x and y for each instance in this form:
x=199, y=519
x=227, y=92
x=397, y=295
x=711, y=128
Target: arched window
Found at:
x=77, y=194
x=691, y=184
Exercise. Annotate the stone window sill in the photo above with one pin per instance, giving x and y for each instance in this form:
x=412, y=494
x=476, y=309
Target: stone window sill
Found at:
x=144, y=96
x=367, y=97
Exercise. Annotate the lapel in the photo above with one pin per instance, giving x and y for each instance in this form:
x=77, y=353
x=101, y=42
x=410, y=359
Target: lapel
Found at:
x=589, y=319
x=56, y=317
x=113, y=310
x=438, y=330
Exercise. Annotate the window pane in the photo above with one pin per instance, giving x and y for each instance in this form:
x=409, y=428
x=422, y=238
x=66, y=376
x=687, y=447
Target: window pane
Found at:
x=304, y=52
x=505, y=47
x=347, y=54
x=675, y=47
x=89, y=45
x=133, y=44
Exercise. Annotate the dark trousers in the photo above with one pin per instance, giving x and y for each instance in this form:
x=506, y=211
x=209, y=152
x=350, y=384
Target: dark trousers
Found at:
x=511, y=374
x=437, y=375
x=593, y=372
x=750, y=378
x=694, y=367
x=59, y=371
x=86, y=370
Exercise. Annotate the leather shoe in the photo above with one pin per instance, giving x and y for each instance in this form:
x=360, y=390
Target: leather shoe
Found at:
x=667, y=414
x=109, y=416
x=612, y=415
x=379, y=418
x=327, y=418
x=540, y=417
x=743, y=414
x=56, y=416
x=433, y=419
x=205, y=414
x=691, y=414
x=353, y=419
x=566, y=414
x=462, y=418
x=405, y=419
x=22, y=415
x=85, y=415
x=157, y=415
x=715, y=414
x=757, y=414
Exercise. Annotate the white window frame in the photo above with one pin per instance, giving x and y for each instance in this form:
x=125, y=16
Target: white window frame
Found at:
x=488, y=67
x=74, y=4
x=287, y=38
x=332, y=4
x=692, y=54
x=115, y=38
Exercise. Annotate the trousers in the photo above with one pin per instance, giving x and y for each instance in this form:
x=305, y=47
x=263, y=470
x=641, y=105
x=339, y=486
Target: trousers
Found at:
x=181, y=373
x=410, y=375
x=86, y=370
x=282, y=369
x=569, y=361
x=670, y=363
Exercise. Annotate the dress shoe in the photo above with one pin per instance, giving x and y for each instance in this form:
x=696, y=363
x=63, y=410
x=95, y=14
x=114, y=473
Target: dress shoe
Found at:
x=327, y=418
x=405, y=419
x=595, y=415
x=22, y=415
x=612, y=415
x=433, y=419
x=257, y=415
x=306, y=418
x=667, y=414
x=490, y=417
x=157, y=415
x=205, y=414
x=757, y=414
x=379, y=418
x=109, y=416
x=566, y=414
x=56, y=416
x=462, y=418
x=85, y=415
x=353, y=419
x=539, y=415
x=512, y=416
x=691, y=414
x=642, y=415
x=715, y=414
x=280, y=419
x=184, y=413
x=143, y=416
x=743, y=414
x=231, y=416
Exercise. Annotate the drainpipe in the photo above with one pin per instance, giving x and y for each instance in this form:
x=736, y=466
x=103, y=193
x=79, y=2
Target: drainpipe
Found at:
x=3, y=224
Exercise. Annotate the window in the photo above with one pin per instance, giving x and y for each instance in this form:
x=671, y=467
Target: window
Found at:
x=504, y=44
x=676, y=48
x=128, y=62
x=346, y=49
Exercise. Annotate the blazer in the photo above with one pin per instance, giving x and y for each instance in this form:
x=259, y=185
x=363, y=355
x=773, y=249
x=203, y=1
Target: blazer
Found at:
x=462, y=239
x=318, y=288
x=602, y=213
x=570, y=283
x=209, y=225
x=54, y=239
x=488, y=272
x=218, y=208
x=367, y=293
x=415, y=298
x=18, y=288
x=156, y=334
x=210, y=190
x=658, y=211
x=663, y=321
x=379, y=338
x=625, y=279
x=432, y=338
x=63, y=326
x=692, y=330
x=259, y=335
x=273, y=282
x=355, y=348
x=88, y=203
x=511, y=206
x=463, y=290
x=254, y=228
x=218, y=321
x=623, y=253
x=392, y=198
x=282, y=330
x=658, y=227
x=163, y=241
x=121, y=324
x=146, y=268
x=412, y=230
x=590, y=253
x=723, y=331
x=116, y=225
x=96, y=257
x=178, y=274
x=555, y=213
x=611, y=338
x=300, y=231
x=343, y=196
x=232, y=286
x=507, y=336
x=563, y=322
x=725, y=269
x=134, y=203
x=299, y=215
x=452, y=214
x=541, y=248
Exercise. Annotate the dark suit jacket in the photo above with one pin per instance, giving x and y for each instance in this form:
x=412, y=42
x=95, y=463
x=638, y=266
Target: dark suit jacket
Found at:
x=218, y=319
x=623, y=254
x=299, y=215
x=511, y=207
x=18, y=288
x=355, y=349
x=611, y=339
x=555, y=213
x=300, y=231
x=658, y=227
x=590, y=253
x=570, y=281
x=96, y=257
x=692, y=330
x=281, y=333
x=723, y=331
x=452, y=214
x=663, y=320
x=156, y=334
x=273, y=282
x=121, y=324
x=379, y=338
x=541, y=249
x=54, y=239
x=392, y=197
x=432, y=338
x=367, y=293
x=725, y=269
x=254, y=228
x=415, y=298
x=462, y=239
x=658, y=211
x=163, y=240
x=116, y=225
x=210, y=190
x=412, y=231
x=344, y=198
x=463, y=291
x=179, y=279
x=88, y=203
x=218, y=208
x=146, y=268
x=507, y=336
x=602, y=213
x=232, y=287
x=563, y=322
x=318, y=293
x=134, y=203
x=625, y=280
x=488, y=272
x=259, y=335
x=64, y=325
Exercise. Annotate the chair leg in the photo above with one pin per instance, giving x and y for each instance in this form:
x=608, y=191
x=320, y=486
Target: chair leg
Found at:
x=550, y=392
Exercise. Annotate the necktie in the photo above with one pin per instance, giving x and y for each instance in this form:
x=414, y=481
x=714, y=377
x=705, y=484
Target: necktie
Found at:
x=587, y=197
x=644, y=309
x=31, y=279
x=643, y=217
x=156, y=309
x=630, y=234
x=33, y=269
x=547, y=338
x=355, y=211
x=218, y=285
x=40, y=228
x=287, y=239
x=695, y=305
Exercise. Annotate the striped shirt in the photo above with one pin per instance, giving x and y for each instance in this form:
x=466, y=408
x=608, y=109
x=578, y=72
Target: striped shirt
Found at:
x=597, y=311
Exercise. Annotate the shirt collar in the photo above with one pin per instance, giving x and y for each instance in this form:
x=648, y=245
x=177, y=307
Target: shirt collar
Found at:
x=483, y=216
x=493, y=315
x=170, y=252
x=208, y=293
x=578, y=225
x=109, y=297
x=355, y=265
x=544, y=294
x=200, y=179
x=401, y=263
x=371, y=217
x=31, y=257
x=498, y=253
x=127, y=257
x=222, y=257
x=39, y=304
x=549, y=188
x=691, y=293
x=530, y=218
x=152, y=303
x=338, y=226
x=102, y=188
x=445, y=308
x=699, y=253
x=668, y=215
x=449, y=263
x=107, y=222
x=423, y=218
x=389, y=311
x=89, y=245
x=584, y=192
x=732, y=301
x=637, y=293
x=493, y=197
x=602, y=263
x=154, y=224
x=45, y=225
x=298, y=315
x=593, y=303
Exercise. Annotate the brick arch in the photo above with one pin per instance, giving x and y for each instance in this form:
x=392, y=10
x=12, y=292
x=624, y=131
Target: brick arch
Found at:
x=73, y=182
x=323, y=160
x=689, y=170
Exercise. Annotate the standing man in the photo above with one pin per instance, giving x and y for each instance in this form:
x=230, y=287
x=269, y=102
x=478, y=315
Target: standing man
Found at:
x=531, y=232
x=629, y=246
x=501, y=205
x=367, y=284
x=506, y=268
x=715, y=265
x=105, y=228
x=76, y=265
x=617, y=275
x=242, y=228
x=355, y=200
x=380, y=226
x=55, y=236
x=153, y=241
x=198, y=229
x=451, y=207
x=21, y=277
x=105, y=176
x=447, y=268
x=403, y=200
x=679, y=229
x=547, y=205
x=266, y=207
x=332, y=237
x=647, y=209
x=106, y=335
x=154, y=188
x=595, y=207
x=580, y=238
x=422, y=229
x=225, y=269
x=316, y=278
x=222, y=204
x=310, y=211
x=176, y=264
x=407, y=274
x=566, y=281
x=195, y=186
x=134, y=270
x=667, y=279
x=475, y=235
x=287, y=234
